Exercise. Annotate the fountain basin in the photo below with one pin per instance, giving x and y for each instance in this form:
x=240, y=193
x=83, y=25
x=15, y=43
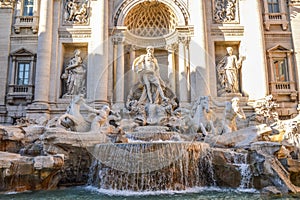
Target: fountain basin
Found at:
x=151, y=166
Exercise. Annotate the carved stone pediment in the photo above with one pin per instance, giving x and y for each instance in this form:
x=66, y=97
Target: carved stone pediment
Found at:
x=279, y=49
x=22, y=52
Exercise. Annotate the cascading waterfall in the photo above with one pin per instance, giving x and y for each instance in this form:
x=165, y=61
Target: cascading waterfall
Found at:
x=151, y=166
x=246, y=176
x=240, y=160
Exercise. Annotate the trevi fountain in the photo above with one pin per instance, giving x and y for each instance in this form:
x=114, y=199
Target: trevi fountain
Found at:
x=153, y=146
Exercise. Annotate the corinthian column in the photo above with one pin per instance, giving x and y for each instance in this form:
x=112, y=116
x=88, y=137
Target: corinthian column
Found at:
x=133, y=76
x=42, y=78
x=119, y=59
x=183, y=70
x=171, y=67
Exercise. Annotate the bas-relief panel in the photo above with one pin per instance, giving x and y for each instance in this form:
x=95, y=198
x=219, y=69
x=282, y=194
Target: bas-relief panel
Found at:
x=76, y=12
x=225, y=11
x=7, y=3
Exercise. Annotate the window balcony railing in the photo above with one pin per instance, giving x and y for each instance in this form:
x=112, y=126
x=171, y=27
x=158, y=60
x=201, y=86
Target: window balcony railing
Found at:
x=20, y=89
x=26, y=22
x=275, y=18
x=283, y=88
x=20, y=92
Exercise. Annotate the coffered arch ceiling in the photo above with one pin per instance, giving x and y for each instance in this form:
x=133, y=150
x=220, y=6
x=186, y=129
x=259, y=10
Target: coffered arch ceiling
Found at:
x=151, y=19
x=170, y=10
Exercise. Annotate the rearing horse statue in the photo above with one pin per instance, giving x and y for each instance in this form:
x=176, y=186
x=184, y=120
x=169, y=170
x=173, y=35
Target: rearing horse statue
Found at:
x=73, y=119
x=201, y=117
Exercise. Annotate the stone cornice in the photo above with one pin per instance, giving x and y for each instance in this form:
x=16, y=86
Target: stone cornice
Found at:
x=278, y=34
x=23, y=37
x=74, y=33
x=227, y=31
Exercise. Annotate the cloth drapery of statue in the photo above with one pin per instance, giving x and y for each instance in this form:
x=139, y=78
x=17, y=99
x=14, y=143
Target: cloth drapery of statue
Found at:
x=228, y=72
x=147, y=68
x=74, y=75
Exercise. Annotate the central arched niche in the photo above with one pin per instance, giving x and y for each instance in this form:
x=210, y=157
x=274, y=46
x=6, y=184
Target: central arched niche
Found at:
x=151, y=19
x=157, y=23
x=150, y=23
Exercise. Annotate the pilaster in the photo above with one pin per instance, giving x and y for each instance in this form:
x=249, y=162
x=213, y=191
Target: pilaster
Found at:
x=198, y=48
x=97, y=73
x=295, y=27
x=254, y=77
x=6, y=16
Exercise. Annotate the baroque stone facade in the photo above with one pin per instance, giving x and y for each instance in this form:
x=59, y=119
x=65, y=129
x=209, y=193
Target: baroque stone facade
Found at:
x=53, y=50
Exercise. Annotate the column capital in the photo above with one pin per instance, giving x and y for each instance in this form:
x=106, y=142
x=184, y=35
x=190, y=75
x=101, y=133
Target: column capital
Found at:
x=133, y=47
x=7, y=3
x=118, y=39
x=184, y=39
x=172, y=47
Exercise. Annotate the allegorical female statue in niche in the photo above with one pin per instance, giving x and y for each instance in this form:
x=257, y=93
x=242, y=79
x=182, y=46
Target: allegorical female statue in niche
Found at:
x=74, y=75
x=228, y=72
